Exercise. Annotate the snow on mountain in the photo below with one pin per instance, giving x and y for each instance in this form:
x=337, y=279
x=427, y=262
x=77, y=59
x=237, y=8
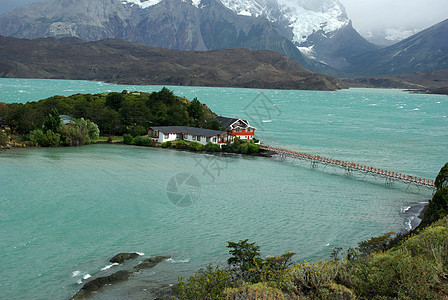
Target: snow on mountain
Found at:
x=148, y=3
x=303, y=17
x=142, y=3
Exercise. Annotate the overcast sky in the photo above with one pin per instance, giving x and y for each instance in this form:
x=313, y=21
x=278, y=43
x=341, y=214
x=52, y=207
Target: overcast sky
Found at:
x=365, y=14
x=369, y=15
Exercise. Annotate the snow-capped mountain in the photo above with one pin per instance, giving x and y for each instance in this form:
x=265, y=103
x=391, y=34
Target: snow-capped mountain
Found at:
x=318, y=28
x=312, y=25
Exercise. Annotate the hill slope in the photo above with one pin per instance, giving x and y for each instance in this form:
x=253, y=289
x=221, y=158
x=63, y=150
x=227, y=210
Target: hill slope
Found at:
x=131, y=63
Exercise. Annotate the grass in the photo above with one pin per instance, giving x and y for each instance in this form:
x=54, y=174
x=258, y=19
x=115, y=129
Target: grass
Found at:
x=115, y=139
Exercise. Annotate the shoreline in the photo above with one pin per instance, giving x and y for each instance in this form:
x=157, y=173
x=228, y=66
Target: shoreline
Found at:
x=414, y=214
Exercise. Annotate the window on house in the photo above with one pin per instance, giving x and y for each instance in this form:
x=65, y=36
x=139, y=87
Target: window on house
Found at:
x=214, y=140
x=199, y=138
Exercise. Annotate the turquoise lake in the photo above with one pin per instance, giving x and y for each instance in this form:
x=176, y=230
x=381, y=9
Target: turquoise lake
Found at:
x=65, y=212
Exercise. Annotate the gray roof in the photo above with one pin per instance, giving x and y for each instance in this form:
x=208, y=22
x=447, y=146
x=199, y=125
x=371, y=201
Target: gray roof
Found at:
x=189, y=130
x=225, y=121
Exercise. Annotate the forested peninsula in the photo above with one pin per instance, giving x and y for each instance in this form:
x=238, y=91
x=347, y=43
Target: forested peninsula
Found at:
x=110, y=117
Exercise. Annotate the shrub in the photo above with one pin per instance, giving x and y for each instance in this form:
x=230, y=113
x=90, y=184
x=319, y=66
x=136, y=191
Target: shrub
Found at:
x=3, y=138
x=167, y=144
x=195, y=146
x=253, y=292
x=127, y=139
x=143, y=141
x=310, y=278
x=205, y=284
x=252, y=148
x=181, y=144
x=137, y=130
x=36, y=137
x=51, y=139
x=210, y=147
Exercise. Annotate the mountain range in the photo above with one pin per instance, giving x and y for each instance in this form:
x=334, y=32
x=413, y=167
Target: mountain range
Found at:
x=318, y=34
x=319, y=28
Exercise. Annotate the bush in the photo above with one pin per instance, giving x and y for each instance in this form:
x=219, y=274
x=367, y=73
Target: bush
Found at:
x=143, y=141
x=254, y=292
x=252, y=148
x=167, y=144
x=3, y=138
x=205, y=284
x=127, y=139
x=51, y=139
x=36, y=137
x=195, y=146
x=137, y=130
x=181, y=144
x=210, y=147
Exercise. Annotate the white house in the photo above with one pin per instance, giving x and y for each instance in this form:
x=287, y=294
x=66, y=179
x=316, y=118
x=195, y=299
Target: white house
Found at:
x=190, y=134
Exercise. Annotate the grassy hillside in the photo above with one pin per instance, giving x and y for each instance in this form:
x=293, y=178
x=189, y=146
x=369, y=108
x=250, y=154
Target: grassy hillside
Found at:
x=384, y=267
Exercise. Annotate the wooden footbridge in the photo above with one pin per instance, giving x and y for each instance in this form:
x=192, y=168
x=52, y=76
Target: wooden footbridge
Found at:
x=350, y=167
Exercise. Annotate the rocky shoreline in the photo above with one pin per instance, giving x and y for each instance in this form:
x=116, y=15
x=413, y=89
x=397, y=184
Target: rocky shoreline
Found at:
x=96, y=284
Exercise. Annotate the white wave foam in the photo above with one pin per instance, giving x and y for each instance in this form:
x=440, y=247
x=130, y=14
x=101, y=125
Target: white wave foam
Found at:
x=416, y=109
x=405, y=209
x=139, y=253
x=87, y=276
x=266, y=121
x=172, y=260
x=109, y=266
x=76, y=273
x=79, y=281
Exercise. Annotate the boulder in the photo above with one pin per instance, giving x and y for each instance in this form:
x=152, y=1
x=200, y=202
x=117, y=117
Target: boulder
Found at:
x=121, y=257
x=149, y=263
x=98, y=283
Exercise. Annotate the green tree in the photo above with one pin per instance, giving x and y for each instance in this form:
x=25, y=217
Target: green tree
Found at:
x=245, y=257
x=195, y=111
x=442, y=178
x=53, y=121
x=115, y=100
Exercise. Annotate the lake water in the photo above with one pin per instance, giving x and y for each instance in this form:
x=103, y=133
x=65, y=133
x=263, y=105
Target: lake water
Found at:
x=64, y=212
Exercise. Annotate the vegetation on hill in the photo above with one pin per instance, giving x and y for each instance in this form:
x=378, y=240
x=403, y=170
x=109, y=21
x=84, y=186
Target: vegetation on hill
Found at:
x=385, y=267
x=114, y=113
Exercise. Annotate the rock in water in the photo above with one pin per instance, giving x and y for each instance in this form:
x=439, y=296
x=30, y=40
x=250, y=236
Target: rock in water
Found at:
x=98, y=283
x=121, y=257
x=149, y=263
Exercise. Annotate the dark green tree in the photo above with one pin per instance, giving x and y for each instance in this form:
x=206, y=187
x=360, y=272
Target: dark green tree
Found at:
x=245, y=257
x=53, y=121
x=115, y=100
x=195, y=111
x=442, y=178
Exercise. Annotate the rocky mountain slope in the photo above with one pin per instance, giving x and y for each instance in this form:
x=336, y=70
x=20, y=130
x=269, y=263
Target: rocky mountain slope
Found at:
x=124, y=62
x=321, y=28
x=425, y=51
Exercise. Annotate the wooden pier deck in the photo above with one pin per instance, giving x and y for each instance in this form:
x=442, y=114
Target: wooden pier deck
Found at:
x=349, y=167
